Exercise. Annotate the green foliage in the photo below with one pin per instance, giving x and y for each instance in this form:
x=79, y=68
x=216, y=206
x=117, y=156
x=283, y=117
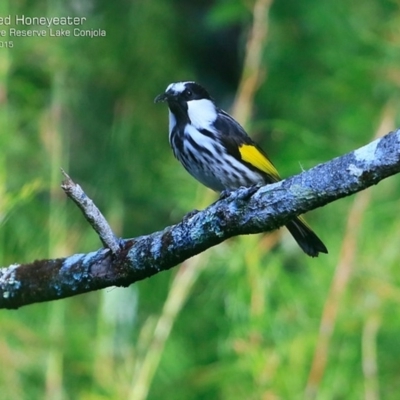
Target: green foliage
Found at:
x=245, y=324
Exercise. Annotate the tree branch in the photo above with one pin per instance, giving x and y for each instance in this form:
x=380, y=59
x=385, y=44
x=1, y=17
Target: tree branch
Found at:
x=245, y=211
x=91, y=213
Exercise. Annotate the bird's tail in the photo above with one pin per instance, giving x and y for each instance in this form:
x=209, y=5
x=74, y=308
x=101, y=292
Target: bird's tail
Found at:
x=309, y=242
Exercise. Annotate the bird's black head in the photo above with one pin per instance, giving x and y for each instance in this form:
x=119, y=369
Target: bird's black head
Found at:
x=189, y=102
x=182, y=92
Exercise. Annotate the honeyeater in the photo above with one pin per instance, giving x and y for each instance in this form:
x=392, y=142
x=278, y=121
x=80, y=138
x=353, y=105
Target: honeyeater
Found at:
x=216, y=150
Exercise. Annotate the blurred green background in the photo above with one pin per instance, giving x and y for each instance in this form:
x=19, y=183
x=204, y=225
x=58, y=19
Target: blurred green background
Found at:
x=253, y=318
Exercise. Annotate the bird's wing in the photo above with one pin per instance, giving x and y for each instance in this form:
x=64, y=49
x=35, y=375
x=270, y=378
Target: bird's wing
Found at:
x=242, y=147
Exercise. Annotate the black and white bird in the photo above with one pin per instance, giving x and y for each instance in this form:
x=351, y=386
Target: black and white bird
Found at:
x=216, y=150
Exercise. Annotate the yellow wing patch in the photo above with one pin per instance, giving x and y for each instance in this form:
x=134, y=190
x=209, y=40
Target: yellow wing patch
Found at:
x=253, y=156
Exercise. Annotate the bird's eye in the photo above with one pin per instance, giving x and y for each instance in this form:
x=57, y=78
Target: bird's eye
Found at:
x=188, y=93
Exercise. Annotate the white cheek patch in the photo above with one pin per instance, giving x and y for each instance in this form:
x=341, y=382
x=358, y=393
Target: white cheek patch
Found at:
x=202, y=113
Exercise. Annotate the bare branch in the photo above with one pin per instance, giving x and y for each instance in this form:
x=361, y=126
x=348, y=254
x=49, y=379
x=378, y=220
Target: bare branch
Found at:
x=245, y=211
x=91, y=213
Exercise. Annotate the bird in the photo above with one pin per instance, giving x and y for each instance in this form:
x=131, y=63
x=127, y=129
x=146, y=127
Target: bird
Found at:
x=216, y=150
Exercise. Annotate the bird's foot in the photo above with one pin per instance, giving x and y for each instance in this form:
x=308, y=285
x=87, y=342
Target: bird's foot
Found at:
x=190, y=214
x=246, y=192
x=225, y=194
x=243, y=193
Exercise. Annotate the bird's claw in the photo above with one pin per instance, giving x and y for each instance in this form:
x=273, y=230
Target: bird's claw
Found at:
x=244, y=193
x=224, y=194
x=248, y=192
x=190, y=214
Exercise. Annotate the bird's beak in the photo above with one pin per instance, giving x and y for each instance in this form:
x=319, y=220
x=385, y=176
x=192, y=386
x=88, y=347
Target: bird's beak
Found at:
x=161, y=98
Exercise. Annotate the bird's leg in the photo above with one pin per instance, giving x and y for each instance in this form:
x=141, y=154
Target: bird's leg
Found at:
x=244, y=192
x=247, y=192
x=225, y=194
x=190, y=214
